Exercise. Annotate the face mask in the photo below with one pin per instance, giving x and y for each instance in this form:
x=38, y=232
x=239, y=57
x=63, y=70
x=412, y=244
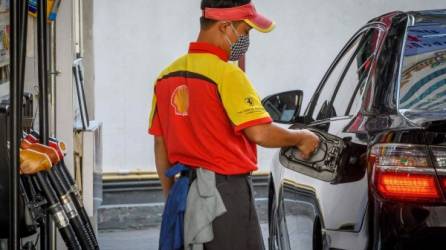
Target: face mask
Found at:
x=240, y=47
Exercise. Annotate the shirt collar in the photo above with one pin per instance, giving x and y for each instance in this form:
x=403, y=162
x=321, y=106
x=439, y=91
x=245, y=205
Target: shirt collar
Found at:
x=202, y=47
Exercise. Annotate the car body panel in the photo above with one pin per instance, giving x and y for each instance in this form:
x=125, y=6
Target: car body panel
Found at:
x=349, y=240
x=330, y=202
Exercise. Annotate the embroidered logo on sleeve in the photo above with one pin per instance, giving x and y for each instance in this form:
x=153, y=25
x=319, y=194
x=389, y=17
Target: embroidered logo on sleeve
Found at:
x=180, y=100
x=252, y=106
x=249, y=101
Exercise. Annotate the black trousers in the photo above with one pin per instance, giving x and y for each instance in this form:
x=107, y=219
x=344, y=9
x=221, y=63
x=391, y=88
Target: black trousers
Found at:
x=238, y=228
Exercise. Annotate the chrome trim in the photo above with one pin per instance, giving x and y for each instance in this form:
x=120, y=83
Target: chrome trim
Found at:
x=411, y=170
x=411, y=20
x=69, y=206
x=400, y=69
x=400, y=145
x=59, y=216
x=311, y=104
x=75, y=190
x=441, y=170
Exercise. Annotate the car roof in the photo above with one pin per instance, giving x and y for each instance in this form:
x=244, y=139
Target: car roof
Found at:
x=423, y=17
x=428, y=17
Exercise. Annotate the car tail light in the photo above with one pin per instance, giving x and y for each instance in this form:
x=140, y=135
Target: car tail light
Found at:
x=392, y=185
x=404, y=172
x=440, y=157
x=440, y=163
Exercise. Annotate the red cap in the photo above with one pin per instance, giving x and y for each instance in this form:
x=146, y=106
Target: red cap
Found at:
x=245, y=12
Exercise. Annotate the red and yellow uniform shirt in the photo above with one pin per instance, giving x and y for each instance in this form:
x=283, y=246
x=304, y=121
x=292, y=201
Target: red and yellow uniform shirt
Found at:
x=200, y=106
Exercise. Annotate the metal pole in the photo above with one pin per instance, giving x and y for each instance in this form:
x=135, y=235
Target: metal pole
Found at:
x=53, y=78
x=15, y=100
x=52, y=116
x=23, y=35
x=43, y=71
x=47, y=233
x=52, y=95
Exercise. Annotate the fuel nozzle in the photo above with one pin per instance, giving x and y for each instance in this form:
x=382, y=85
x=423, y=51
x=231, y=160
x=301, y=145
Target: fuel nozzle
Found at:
x=32, y=162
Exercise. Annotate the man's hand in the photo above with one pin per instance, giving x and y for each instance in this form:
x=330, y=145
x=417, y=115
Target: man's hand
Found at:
x=308, y=144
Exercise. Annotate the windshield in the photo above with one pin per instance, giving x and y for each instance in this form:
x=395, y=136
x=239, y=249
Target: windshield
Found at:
x=423, y=79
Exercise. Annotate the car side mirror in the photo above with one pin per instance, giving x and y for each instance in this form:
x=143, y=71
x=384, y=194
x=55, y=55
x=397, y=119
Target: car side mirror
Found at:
x=284, y=107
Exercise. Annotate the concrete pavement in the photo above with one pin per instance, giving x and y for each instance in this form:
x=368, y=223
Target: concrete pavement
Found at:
x=146, y=239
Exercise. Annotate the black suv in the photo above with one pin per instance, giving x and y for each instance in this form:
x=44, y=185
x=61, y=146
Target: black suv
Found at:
x=378, y=180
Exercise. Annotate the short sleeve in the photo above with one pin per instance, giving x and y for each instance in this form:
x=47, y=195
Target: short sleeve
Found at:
x=241, y=101
x=154, y=120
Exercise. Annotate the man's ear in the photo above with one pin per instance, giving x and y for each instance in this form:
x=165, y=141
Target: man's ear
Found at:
x=222, y=26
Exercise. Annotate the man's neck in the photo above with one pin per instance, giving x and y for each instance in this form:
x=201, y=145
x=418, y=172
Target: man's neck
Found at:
x=207, y=37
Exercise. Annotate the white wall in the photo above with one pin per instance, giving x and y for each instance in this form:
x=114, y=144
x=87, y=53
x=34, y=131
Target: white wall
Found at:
x=134, y=42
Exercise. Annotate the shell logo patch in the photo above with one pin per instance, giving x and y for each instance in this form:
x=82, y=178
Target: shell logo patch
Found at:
x=180, y=100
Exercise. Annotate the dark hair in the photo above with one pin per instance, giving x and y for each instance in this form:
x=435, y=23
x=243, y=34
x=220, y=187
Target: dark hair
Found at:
x=206, y=23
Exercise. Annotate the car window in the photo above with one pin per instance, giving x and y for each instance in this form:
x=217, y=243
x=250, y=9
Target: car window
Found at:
x=348, y=98
x=423, y=77
x=323, y=108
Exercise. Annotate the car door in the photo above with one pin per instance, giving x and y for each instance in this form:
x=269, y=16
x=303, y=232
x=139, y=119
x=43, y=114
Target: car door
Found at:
x=336, y=172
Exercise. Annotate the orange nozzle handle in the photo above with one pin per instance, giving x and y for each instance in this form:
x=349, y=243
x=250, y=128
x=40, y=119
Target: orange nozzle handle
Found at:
x=49, y=151
x=32, y=162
